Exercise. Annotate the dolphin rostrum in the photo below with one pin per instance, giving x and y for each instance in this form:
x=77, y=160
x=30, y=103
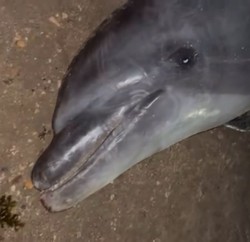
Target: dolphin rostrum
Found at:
x=155, y=72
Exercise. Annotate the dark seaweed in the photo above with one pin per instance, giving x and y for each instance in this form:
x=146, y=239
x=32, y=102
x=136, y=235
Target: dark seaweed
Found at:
x=7, y=217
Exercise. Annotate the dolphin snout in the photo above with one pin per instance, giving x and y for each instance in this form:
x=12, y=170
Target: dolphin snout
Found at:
x=70, y=150
x=40, y=179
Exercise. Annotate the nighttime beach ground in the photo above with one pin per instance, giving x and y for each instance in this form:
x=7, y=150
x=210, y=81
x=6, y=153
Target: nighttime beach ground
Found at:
x=196, y=191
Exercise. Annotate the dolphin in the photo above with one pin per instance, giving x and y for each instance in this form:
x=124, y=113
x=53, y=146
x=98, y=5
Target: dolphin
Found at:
x=153, y=74
x=241, y=124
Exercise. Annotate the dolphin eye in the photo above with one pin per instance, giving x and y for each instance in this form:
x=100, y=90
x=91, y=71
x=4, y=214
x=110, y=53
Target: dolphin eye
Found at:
x=184, y=57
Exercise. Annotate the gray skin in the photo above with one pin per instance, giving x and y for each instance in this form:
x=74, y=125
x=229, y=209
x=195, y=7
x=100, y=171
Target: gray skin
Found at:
x=241, y=124
x=156, y=72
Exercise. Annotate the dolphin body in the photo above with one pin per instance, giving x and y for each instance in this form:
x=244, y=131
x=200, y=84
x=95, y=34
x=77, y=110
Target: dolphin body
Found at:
x=156, y=72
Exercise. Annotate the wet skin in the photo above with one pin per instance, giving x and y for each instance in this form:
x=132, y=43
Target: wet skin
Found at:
x=155, y=73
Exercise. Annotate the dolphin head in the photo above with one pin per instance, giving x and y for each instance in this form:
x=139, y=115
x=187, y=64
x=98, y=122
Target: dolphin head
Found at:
x=154, y=73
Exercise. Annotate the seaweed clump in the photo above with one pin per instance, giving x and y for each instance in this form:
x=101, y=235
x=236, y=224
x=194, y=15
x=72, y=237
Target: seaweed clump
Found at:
x=7, y=217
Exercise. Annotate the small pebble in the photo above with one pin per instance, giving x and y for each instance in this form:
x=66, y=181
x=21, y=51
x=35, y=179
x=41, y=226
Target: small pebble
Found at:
x=20, y=43
x=167, y=194
x=28, y=184
x=54, y=21
x=64, y=16
x=112, y=196
x=22, y=167
x=156, y=240
x=14, y=150
x=13, y=188
x=59, y=83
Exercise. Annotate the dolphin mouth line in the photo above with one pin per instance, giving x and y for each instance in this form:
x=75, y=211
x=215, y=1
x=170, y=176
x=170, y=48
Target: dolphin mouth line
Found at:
x=128, y=116
x=84, y=162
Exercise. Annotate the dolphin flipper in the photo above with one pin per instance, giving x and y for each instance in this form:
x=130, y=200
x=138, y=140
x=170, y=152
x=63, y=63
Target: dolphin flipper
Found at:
x=241, y=123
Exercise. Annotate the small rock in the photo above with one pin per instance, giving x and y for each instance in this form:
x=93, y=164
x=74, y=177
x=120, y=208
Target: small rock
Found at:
x=59, y=83
x=167, y=194
x=64, y=16
x=36, y=111
x=22, y=167
x=156, y=240
x=54, y=21
x=19, y=41
x=14, y=150
x=13, y=188
x=28, y=184
x=112, y=196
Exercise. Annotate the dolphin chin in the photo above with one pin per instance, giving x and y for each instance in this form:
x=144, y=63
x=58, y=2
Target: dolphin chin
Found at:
x=155, y=73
